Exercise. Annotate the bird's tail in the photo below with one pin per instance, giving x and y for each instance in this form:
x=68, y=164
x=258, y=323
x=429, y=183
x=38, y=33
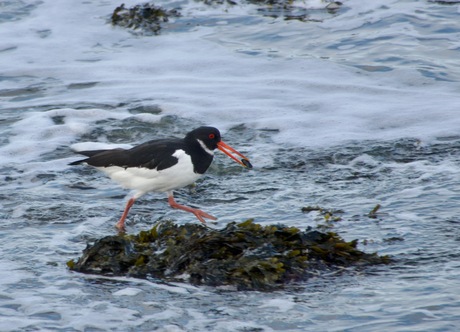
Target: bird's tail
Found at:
x=88, y=153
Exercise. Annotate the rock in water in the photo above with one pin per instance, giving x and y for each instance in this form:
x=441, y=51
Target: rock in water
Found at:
x=146, y=18
x=246, y=255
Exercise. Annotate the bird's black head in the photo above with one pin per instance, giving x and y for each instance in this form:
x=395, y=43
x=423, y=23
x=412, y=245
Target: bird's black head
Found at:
x=207, y=139
x=209, y=136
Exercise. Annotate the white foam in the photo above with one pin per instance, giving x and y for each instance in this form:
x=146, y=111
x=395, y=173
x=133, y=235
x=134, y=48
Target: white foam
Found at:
x=86, y=146
x=36, y=133
x=312, y=102
x=128, y=291
x=282, y=305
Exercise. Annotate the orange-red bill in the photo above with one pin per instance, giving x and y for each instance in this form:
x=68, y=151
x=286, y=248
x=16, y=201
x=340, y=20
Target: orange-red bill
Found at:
x=228, y=150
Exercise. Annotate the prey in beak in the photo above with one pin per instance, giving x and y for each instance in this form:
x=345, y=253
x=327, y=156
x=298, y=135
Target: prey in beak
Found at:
x=228, y=150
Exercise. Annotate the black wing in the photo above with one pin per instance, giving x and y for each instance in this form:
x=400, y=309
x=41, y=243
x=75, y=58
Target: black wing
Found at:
x=156, y=154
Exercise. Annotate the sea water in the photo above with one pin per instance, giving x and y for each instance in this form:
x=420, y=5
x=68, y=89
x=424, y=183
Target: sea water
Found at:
x=342, y=109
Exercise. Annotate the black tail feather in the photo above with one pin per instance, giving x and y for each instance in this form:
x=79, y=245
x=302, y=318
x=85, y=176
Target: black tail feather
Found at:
x=78, y=162
x=88, y=153
x=105, y=158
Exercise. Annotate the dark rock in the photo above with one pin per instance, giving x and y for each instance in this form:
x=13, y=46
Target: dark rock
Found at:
x=246, y=255
x=146, y=18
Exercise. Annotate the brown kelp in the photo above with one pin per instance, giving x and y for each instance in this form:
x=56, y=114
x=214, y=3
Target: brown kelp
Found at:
x=246, y=255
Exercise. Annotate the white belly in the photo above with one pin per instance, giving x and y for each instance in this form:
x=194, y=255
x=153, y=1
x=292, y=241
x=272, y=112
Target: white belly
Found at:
x=144, y=180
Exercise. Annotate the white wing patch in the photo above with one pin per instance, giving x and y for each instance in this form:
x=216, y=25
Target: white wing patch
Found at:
x=144, y=180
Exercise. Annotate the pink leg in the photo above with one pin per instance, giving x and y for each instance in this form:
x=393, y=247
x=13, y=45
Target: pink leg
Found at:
x=121, y=223
x=198, y=213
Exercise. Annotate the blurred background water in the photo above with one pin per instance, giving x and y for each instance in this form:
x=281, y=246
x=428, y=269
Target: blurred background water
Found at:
x=344, y=109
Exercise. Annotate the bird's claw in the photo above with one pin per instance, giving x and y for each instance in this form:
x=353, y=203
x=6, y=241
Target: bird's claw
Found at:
x=201, y=215
x=120, y=227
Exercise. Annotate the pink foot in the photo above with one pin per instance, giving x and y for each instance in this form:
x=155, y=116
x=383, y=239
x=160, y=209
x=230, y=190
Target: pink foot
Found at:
x=197, y=212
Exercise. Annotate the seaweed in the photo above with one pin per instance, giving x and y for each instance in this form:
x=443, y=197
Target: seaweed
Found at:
x=373, y=213
x=328, y=215
x=149, y=19
x=246, y=255
x=145, y=17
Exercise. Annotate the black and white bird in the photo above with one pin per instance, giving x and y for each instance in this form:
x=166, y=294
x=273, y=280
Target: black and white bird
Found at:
x=162, y=165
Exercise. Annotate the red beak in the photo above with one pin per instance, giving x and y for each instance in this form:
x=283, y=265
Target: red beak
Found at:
x=228, y=150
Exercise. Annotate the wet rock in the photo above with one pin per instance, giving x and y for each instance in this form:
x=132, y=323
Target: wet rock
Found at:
x=146, y=17
x=445, y=2
x=149, y=19
x=334, y=6
x=247, y=255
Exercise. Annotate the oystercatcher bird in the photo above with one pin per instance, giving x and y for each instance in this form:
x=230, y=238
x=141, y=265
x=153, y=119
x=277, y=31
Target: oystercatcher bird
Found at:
x=162, y=165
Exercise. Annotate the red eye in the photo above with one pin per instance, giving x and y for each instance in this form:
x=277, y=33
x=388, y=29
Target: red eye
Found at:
x=212, y=136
